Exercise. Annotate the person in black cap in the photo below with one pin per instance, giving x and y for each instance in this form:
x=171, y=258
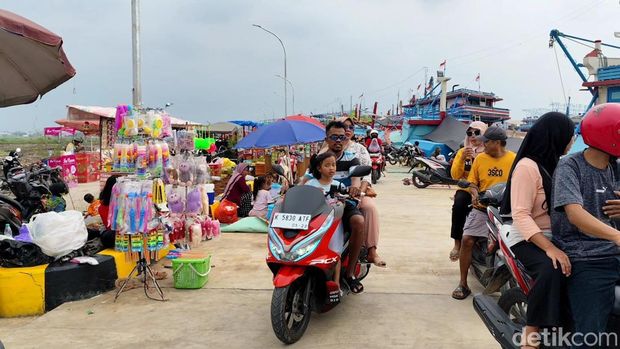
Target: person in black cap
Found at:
x=489, y=168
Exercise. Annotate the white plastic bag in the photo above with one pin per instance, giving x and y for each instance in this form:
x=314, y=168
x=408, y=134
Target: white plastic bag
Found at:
x=58, y=234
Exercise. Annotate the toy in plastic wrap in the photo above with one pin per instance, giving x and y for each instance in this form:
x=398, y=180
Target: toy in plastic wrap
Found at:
x=186, y=172
x=185, y=140
x=202, y=173
x=165, y=155
x=141, y=161
x=194, y=201
x=157, y=124
x=166, y=130
x=130, y=124
x=171, y=175
x=175, y=202
x=155, y=159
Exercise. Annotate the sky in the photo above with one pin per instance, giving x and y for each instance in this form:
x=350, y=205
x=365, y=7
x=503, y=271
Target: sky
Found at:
x=206, y=58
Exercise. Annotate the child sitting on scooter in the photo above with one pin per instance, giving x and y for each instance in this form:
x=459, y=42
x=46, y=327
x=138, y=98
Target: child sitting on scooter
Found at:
x=323, y=169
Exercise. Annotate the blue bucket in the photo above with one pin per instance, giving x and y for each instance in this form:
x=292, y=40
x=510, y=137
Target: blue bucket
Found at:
x=211, y=197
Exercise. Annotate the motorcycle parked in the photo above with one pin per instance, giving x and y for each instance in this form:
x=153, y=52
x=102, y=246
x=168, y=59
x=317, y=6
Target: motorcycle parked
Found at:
x=11, y=162
x=31, y=187
x=426, y=171
x=306, y=242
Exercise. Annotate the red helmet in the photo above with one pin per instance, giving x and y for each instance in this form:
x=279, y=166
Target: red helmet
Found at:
x=600, y=128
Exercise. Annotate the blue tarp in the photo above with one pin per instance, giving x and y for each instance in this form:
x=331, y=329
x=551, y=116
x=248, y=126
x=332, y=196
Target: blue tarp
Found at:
x=246, y=123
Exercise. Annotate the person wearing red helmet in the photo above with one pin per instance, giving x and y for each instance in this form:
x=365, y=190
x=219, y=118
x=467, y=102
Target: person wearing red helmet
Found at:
x=585, y=206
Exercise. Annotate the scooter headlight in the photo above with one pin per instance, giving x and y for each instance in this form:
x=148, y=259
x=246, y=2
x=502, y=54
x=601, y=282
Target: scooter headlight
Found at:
x=302, y=249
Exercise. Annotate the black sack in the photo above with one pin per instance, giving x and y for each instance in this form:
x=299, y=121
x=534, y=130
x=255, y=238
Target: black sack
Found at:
x=15, y=254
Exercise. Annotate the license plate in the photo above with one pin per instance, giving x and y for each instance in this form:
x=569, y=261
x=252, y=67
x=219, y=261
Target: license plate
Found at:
x=291, y=221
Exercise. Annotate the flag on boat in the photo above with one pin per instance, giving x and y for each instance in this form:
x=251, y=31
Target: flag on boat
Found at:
x=443, y=65
x=478, y=77
x=419, y=87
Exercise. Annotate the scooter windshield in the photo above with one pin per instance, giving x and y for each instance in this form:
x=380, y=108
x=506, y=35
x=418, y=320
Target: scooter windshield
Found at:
x=304, y=199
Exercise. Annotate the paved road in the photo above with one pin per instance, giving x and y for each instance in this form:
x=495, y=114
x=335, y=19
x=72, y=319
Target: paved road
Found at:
x=407, y=305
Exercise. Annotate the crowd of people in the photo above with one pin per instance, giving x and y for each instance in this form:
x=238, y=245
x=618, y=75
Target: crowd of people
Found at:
x=564, y=210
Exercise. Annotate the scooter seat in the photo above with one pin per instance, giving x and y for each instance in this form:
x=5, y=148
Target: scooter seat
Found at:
x=616, y=310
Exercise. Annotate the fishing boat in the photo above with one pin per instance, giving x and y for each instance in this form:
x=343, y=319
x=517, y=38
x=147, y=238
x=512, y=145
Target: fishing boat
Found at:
x=439, y=119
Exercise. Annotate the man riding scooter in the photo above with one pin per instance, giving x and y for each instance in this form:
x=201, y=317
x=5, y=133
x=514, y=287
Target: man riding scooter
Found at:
x=335, y=138
x=490, y=168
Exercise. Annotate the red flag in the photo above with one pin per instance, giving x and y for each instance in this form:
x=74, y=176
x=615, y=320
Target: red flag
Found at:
x=478, y=77
x=443, y=65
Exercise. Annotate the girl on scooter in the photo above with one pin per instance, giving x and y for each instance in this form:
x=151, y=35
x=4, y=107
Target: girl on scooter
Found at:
x=527, y=198
x=323, y=169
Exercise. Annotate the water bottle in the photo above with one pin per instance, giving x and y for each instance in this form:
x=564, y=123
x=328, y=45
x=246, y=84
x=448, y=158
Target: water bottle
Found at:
x=7, y=231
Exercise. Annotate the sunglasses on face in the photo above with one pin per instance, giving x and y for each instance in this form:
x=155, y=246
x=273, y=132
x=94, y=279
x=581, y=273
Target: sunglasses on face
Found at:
x=337, y=138
x=350, y=127
x=473, y=133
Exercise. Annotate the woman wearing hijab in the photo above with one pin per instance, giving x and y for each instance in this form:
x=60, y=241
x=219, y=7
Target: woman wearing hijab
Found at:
x=527, y=199
x=367, y=204
x=237, y=190
x=460, y=170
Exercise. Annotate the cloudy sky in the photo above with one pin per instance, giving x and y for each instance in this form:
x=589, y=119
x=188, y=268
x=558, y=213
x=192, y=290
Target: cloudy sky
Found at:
x=206, y=58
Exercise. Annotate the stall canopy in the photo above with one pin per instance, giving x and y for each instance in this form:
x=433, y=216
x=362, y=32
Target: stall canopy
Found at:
x=224, y=127
x=80, y=112
x=89, y=127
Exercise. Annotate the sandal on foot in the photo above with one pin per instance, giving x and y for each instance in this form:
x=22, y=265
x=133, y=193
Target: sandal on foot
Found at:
x=354, y=285
x=461, y=292
x=454, y=255
x=378, y=262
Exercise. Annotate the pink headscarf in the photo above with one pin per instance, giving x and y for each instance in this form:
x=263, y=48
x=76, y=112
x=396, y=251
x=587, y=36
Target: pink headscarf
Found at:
x=237, y=174
x=478, y=125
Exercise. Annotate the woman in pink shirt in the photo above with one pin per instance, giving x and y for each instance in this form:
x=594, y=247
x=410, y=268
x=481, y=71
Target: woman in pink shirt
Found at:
x=527, y=199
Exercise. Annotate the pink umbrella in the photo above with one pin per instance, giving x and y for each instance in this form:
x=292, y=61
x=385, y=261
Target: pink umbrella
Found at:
x=32, y=61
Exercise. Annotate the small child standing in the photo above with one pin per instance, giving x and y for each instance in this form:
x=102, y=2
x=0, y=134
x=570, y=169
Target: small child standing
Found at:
x=93, y=205
x=262, y=197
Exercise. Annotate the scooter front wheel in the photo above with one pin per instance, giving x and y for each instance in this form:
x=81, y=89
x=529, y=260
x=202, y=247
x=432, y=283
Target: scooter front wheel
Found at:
x=290, y=310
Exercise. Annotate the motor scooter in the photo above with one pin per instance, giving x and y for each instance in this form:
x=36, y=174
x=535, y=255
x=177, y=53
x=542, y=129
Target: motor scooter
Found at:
x=306, y=242
x=505, y=317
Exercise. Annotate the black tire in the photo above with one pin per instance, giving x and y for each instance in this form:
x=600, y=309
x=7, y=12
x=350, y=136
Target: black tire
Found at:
x=285, y=306
x=514, y=303
x=392, y=159
x=374, y=176
x=418, y=182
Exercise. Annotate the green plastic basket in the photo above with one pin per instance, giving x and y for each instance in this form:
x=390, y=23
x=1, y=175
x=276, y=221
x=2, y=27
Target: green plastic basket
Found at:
x=191, y=272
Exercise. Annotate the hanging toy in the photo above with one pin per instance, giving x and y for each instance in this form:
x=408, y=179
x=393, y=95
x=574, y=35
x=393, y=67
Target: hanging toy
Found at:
x=186, y=172
x=194, y=201
x=175, y=202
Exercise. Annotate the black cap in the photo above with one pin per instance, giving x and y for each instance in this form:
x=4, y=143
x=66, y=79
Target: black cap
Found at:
x=494, y=133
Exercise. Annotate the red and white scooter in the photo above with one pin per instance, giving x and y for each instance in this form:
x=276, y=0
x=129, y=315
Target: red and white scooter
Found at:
x=306, y=242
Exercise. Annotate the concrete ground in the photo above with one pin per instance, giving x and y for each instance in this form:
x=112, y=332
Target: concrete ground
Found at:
x=406, y=305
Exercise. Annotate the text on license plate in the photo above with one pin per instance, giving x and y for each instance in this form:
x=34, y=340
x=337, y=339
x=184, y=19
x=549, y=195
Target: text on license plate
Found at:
x=291, y=221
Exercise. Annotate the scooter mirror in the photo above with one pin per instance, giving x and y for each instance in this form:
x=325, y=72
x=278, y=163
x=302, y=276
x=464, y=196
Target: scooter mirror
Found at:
x=18, y=150
x=360, y=171
x=278, y=169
